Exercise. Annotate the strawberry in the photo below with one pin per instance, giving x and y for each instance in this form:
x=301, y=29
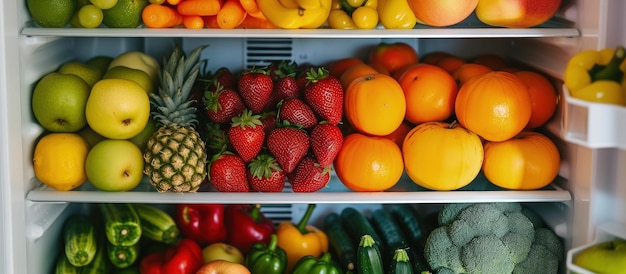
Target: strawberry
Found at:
x=269, y=121
x=255, y=87
x=289, y=145
x=222, y=104
x=297, y=112
x=227, y=173
x=326, y=141
x=265, y=175
x=224, y=77
x=325, y=95
x=246, y=135
x=284, y=87
x=309, y=176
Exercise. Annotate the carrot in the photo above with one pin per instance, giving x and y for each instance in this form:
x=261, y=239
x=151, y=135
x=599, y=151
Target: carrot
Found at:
x=199, y=7
x=251, y=22
x=231, y=15
x=252, y=8
x=160, y=16
x=193, y=22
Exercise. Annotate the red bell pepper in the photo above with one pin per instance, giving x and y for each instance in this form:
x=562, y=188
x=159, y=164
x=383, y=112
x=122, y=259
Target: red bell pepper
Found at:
x=247, y=225
x=183, y=258
x=203, y=223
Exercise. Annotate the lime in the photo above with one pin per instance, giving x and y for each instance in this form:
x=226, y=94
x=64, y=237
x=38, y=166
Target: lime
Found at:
x=90, y=16
x=51, y=14
x=126, y=14
x=104, y=4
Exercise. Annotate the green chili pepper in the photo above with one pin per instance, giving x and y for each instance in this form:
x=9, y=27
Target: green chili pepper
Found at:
x=266, y=259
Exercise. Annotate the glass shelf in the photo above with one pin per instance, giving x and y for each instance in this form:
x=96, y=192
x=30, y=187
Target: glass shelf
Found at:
x=405, y=191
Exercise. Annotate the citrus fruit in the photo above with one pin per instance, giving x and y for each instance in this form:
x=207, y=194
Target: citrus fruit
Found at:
x=59, y=160
x=51, y=14
x=138, y=76
x=89, y=74
x=104, y=4
x=430, y=93
x=58, y=102
x=90, y=16
x=125, y=14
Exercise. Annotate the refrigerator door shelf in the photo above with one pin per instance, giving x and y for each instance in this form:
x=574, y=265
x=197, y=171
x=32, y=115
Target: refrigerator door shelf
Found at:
x=604, y=232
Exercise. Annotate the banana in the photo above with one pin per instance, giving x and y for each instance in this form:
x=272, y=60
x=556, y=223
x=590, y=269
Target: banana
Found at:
x=295, y=14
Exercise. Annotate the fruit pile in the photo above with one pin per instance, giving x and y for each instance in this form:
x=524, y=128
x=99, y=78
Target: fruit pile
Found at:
x=287, y=14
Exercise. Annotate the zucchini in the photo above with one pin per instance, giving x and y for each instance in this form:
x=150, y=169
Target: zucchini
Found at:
x=368, y=259
x=100, y=263
x=156, y=224
x=401, y=263
x=63, y=266
x=122, y=256
x=79, y=235
x=416, y=238
x=341, y=242
x=122, y=225
x=357, y=225
x=390, y=233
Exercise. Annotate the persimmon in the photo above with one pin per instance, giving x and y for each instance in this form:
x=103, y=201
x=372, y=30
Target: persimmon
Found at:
x=468, y=71
x=450, y=63
x=374, y=104
x=354, y=72
x=495, y=105
x=434, y=57
x=368, y=163
x=492, y=61
x=338, y=67
x=542, y=96
x=430, y=93
x=391, y=56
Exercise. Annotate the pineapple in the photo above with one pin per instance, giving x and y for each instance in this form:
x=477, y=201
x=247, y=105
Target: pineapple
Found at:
x=175, y=156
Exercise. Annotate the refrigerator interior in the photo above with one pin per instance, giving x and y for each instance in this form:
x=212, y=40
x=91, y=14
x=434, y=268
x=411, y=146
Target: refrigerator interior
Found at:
x=590, y=191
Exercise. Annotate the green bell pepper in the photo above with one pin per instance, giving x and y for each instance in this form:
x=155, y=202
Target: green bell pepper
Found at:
x=311, y=265
x=266, y=259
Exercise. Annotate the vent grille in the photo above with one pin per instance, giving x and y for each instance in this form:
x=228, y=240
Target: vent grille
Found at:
x=261, y=52
x=278, y=212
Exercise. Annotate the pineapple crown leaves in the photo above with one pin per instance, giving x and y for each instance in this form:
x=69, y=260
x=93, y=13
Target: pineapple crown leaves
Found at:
x=172, y=104
x=246, y=119
x=316, y=74
x=263, y=165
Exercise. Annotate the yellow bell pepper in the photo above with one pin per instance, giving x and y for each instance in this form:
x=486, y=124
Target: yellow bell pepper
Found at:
x=396, y=14
x=353, y=14
x=296, y=14
x=299, y=240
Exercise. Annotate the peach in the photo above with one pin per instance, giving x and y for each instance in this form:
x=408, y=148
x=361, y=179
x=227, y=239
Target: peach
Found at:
x=442, y=13
x=516, y=13
x=392, y=56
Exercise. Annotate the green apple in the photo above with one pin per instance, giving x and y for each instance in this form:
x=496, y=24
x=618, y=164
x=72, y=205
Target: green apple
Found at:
x=141, y=139
x=100, y=62
x=139, y=60
x=90, y=74
x=222, y=251
x=59, y=101
x=124, y=72
x=604, y=257
x=90, y=136
x=117, y=108
x=114, y=165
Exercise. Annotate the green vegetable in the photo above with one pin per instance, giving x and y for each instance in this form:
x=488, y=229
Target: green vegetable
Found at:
x=415, y=237
x=99, y=264
x=311, y=265
x=401, y=263
x=340, y=241
x=357, y=225
x=488, y=238
x=79, y=234
x=122, y=256
x=389, y=232
x=270, y=259
x=63, y=266
x=369, y=259
x=156, y=224
x=545, y=253
x=122, y=225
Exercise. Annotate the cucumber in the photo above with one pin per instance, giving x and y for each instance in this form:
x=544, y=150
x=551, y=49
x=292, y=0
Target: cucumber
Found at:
x=79, y=236
x=416, y=238
x=390, y=233
x=341, y=242
x=401, y=263
x=156, y=224
x=369, y=259
x=122, y=256
x=100, y=263
x=122, y=225
x=63, y=266
x=357, y=225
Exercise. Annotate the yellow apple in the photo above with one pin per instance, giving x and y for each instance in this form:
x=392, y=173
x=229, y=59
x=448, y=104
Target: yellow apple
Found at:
x=138, y=60
x=117, y=108
x=222, y=251
x=516, y=13
x=114, y=165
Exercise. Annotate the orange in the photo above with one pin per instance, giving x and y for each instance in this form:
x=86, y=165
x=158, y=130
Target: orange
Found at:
x=467, y=71
x=354, y=72
x=434, y=57
x=338, y=67
x=398, y=135
x=430, y=93
x=59, y=160
x=451, y=63
x=492, y=61
x=542, y=95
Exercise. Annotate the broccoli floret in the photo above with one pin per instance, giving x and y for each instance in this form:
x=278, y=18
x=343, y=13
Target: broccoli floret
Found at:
x=486, y=255
x=491, y=238
x=533, y=217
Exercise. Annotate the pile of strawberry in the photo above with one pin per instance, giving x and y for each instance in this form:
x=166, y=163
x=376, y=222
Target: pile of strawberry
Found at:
x=273, y=124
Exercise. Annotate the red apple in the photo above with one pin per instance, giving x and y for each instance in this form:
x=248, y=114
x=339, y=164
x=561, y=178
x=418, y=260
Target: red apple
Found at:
x=516, y=13
x=222, y=251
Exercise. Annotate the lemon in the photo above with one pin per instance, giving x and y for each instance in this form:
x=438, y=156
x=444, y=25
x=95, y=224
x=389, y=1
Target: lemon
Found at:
x=124, y=72
x=51, y=14
x=125, y=14
x=89, y=74
x=59, y=160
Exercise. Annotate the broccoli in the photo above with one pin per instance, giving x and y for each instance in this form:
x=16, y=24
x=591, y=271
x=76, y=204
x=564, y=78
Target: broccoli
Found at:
x=491, y=238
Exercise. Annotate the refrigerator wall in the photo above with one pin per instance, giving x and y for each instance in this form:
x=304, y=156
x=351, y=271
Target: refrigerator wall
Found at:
x=590, y=192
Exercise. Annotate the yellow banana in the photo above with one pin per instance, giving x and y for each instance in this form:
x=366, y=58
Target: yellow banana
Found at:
x=285, y=15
